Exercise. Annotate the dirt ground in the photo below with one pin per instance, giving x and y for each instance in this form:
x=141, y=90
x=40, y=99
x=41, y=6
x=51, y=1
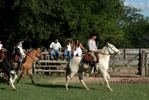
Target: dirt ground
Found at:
x=114, y=79
x=120, y=75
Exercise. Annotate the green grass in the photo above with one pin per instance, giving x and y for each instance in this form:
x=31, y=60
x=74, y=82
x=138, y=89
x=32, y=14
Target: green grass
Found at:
x=45, y=90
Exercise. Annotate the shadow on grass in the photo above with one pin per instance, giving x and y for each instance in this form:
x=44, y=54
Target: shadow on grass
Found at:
x=2, y=80
x=58, y=86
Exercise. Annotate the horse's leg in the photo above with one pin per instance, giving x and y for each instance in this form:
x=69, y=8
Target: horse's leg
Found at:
x=30, y=75
x=106, y=78
x=15, y=75
x=68, y=77
x=22, y=73
x=11, y=82
x=81, y=80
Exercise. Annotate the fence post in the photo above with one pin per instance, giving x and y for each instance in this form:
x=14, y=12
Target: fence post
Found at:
x=142, y=63
x=139, y=63
x=146, y=64
x=124, y=54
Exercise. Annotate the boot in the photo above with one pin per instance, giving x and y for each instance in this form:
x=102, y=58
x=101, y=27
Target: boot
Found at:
x=94, y=65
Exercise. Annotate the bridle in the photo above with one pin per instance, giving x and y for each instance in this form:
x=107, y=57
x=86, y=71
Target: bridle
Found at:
x=108, y=47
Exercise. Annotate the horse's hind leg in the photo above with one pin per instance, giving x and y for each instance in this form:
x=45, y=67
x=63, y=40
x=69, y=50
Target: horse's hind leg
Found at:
x=81, y=80
x=30, y=75
x=22, y=73
x=106, y=78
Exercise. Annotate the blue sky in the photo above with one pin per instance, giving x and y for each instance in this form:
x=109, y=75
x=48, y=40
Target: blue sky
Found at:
x=141, y=4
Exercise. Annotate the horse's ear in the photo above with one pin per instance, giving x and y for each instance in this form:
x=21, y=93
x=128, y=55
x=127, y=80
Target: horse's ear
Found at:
x=107, y=43
x=36, y=48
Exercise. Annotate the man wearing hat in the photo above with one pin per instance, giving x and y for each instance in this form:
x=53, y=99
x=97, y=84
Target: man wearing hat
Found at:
x=92, y=50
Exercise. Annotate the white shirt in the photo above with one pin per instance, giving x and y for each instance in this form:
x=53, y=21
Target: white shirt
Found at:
x=21, y=51
x=1, y=46
x=69, y=47
x=20, y=44
x=92, y=45
x=55, y=46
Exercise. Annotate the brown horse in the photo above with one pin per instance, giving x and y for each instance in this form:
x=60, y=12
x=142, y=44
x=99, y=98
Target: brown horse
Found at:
x=29, y=60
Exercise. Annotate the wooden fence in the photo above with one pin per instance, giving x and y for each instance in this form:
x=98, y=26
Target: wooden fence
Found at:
x=144, y=63
x=135, y=57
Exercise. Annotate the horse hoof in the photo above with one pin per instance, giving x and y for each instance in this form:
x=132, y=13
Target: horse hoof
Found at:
x=87, y=89
x=111, y=90
x=18, y=84
x=67, y=89
x=102, y=84
x=14, y=89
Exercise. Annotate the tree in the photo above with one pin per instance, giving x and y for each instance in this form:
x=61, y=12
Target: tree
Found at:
x=41, y=21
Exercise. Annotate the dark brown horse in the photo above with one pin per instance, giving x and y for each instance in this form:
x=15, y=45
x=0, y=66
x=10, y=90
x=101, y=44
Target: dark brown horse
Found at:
x=29, y=60
x=7, y=66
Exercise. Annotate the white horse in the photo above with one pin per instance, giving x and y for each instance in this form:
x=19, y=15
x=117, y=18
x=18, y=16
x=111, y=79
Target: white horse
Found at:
x=75, y=66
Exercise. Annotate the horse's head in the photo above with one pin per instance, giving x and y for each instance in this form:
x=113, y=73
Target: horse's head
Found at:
x=112, y=49
x=39, y=53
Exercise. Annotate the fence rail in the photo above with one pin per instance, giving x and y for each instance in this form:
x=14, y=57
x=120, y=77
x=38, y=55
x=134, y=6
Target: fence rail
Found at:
x=136, y=57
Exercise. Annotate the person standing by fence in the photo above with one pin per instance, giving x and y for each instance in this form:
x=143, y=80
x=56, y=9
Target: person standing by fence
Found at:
x=55, y=48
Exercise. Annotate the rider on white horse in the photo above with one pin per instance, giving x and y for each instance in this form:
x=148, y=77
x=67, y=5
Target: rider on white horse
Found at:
x=92, y=50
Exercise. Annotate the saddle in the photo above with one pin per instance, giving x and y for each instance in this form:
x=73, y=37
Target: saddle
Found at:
x=87, y=62
x=87, y=58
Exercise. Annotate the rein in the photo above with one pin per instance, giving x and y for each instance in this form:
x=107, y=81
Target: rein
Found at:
x=108, y=51
x=31, y=57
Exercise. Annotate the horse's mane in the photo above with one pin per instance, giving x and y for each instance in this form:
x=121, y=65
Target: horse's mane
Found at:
x=31, y=51
x=103, y=51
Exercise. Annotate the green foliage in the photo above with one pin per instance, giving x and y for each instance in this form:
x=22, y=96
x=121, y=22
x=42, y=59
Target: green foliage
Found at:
x=41, y=21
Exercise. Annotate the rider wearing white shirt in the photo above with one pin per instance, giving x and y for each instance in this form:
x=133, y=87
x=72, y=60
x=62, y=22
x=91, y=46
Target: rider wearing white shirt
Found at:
x=22, y=53
x=92, y=50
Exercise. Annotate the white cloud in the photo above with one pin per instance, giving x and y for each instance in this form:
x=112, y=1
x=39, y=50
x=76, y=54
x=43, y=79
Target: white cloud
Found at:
x=139, y=5
x=126, y=3
x=148, y=4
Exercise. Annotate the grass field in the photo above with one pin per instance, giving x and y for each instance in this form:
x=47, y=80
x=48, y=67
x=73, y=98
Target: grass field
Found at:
x=46, y=90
